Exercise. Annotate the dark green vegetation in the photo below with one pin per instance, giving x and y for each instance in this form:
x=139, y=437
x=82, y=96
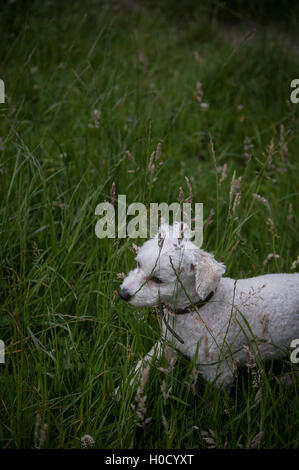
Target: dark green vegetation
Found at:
x=69, y=341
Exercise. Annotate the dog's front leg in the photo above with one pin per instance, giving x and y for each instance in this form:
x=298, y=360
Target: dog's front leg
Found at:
x=221, y=374
x=155, y=353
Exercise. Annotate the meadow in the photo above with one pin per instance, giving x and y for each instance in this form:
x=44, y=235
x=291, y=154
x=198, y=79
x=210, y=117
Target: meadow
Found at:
x=92, y=89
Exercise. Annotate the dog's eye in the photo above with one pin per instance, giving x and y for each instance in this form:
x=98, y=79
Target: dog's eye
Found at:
x=156, y=280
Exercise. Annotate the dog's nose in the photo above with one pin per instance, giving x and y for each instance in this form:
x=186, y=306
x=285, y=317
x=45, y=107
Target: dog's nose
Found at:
x=125, y=294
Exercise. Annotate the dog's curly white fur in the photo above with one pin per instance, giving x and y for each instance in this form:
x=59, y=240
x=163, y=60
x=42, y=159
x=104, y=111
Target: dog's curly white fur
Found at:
x=244, y=318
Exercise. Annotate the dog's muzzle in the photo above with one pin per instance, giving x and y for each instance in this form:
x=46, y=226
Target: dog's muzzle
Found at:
x=125, y=294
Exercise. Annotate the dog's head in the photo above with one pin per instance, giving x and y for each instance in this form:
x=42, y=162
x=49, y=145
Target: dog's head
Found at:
x=171, y=269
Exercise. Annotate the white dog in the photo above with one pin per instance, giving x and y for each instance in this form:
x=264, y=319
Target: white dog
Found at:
x=224, y=322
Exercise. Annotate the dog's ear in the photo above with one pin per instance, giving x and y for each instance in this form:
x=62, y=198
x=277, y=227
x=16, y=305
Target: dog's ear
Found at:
x=207, y=271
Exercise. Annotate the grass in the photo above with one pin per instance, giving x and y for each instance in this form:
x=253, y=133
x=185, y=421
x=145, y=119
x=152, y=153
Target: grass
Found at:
x=69, y=340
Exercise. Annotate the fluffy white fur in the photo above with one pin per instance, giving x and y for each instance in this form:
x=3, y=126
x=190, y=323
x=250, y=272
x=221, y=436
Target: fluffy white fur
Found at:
x=256, y=317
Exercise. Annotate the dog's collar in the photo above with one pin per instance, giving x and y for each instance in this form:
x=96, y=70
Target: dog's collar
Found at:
x=190, y=308
x=181, y=311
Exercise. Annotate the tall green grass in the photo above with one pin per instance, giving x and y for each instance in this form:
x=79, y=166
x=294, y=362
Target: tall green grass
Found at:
x=69, y=341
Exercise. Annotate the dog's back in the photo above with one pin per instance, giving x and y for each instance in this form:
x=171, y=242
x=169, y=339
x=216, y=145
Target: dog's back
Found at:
x=262, y=311
x=270, y=305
